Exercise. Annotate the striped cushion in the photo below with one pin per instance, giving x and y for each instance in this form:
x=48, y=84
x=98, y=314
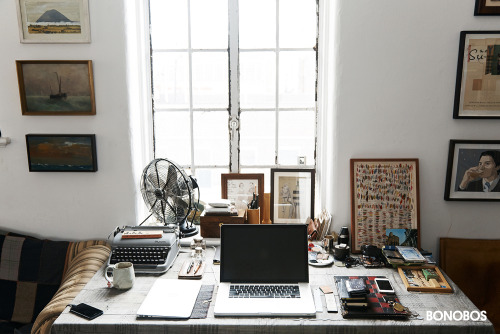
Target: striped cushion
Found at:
x=31, y=271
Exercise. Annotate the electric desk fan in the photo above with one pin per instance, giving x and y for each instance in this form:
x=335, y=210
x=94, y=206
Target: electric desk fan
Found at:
x=170, y=194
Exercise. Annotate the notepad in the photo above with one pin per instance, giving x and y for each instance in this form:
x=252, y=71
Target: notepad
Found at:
x=170, y=298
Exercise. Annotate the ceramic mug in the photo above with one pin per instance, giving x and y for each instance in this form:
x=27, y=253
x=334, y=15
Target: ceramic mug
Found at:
x=123, y=275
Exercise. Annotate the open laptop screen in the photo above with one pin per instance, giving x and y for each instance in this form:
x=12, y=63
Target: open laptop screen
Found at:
x=274, y=253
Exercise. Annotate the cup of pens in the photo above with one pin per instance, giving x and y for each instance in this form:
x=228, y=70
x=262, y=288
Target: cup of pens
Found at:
x=253, y=211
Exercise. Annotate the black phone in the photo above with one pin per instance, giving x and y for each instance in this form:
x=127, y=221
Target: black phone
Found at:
x=85, y=311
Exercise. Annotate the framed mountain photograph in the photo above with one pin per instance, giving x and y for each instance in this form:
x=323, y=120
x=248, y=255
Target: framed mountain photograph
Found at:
x=53, y=21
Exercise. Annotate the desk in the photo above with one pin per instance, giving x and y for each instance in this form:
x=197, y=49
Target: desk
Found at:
x=120, y=308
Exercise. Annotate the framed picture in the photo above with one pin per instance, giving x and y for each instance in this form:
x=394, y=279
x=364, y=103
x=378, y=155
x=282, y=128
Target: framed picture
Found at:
x=292, y=195
x=61, y=153
x=56, y=87
x=241, y=187
x=487, y=7
x=476, y=93
x=384, y=198
x=473, y=171
x=53, y=21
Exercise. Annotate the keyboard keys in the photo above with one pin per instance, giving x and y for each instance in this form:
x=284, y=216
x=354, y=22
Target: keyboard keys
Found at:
x=264, y=291
x=140, y=255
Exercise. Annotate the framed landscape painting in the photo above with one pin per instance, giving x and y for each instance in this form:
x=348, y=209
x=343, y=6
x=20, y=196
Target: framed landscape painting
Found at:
x=61, y=152
x=53, y=21
x=56, y=87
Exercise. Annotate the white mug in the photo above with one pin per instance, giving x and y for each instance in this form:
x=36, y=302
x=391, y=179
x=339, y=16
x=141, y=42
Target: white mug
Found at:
x=123, y=275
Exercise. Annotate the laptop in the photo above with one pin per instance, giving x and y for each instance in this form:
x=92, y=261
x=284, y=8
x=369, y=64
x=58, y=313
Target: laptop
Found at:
x=264, y=271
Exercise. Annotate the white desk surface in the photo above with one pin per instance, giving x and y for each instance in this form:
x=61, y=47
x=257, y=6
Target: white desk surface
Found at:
x=120, y=309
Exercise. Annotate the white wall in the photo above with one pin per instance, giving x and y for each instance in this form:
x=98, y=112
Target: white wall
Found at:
x=396, y=65
x=68, y=205
x=396, y=82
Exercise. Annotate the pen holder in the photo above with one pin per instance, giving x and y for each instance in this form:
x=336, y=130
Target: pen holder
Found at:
x=253, y=216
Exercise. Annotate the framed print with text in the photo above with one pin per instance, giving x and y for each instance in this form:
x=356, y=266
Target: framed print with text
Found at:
x=292, y=195
x=487, y=7
x=477, y=93
x=473, y=170
x=53, y=21
x=384, y=196
x=56, y=87
x=241, y=187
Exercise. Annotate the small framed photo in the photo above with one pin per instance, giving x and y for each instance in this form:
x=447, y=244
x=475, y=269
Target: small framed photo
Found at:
x=478, y=71
x=53, y=21
x=241, y=187
x=487, y=7
x=473, y=170
x=292, y=195
x=56, y=87
x=61, y=152
x=384, y=198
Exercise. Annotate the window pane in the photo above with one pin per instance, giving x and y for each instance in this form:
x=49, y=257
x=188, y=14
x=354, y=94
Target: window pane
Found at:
x=209, y=182
x=171, y=80
x=172, y=136
x=297, y=20
x=209, y=22
x=257, y=79
x=211, y=138
x=210, y=80
x=169, y=24
x=296, y=135
x=257, y=23
x=297, y=79
x=257, y=137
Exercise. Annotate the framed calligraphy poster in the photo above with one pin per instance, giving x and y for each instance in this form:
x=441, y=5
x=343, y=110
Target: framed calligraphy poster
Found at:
x=478, y=74
x=384, y=196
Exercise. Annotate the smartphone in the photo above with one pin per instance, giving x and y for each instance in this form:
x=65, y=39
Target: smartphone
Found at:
x=85, y=311
x=384, y=286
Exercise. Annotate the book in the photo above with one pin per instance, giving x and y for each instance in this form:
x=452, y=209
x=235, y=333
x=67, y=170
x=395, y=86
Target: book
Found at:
x=356, y=287
x=345, y=297
x=221, y=211
x=410, y=254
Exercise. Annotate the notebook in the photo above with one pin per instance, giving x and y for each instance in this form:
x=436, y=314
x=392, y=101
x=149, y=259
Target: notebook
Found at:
x=264, y=271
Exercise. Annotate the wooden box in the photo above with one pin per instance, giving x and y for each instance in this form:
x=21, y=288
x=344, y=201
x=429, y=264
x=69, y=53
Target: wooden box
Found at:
x=421, y=284
x=210, y=225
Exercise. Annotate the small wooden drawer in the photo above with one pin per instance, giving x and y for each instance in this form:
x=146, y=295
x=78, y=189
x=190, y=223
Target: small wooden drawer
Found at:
x=210, y=225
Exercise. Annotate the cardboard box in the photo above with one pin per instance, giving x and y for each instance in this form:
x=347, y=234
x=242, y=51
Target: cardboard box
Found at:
x=210, y=225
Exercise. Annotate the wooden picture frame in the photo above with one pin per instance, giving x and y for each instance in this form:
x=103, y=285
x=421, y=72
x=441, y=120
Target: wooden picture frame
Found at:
x=240, y=187
x=61, y=152
x=472, y=163
x=292, y=195
x=56, y=87
x=384, y=195
x=487, y=7
x=477, y=75
x=53, y=21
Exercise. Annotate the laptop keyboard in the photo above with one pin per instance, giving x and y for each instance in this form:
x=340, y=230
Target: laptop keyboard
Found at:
x=264, y=291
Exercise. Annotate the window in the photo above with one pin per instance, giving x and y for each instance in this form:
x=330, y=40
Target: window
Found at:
x=234, y=85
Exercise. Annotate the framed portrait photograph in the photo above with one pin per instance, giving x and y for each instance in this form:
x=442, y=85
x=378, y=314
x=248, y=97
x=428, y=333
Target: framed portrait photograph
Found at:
x=241, y=188
x=487, y=7
x=292, y=195
x=56, y=87
x=53, y=21
x=61, y=152
x=384, y=202
x=478, y=71
x=473, y=170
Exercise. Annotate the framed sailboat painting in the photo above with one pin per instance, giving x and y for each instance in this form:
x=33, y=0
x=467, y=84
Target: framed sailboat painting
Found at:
x=56, y=87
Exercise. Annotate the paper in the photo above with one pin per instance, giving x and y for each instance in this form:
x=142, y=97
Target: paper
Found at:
x=170, y=298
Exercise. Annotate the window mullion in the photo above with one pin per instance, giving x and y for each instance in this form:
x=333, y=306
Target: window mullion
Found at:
x=234, y=87
x=276, y=138
x=190, y=66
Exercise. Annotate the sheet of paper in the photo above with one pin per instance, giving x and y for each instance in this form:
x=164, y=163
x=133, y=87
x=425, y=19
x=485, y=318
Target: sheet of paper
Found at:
x=170, y=298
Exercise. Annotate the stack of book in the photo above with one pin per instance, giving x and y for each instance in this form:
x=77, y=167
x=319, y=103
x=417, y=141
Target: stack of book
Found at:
x=353, y=294
x=403, y=255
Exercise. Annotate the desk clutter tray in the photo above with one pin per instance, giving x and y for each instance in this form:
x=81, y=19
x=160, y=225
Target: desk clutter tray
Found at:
x=376, y=305
x=424, y=279
x=191, y=270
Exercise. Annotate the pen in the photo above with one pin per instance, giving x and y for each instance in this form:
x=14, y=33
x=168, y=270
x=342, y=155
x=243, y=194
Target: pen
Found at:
x=190, y=267
x=198, y=267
